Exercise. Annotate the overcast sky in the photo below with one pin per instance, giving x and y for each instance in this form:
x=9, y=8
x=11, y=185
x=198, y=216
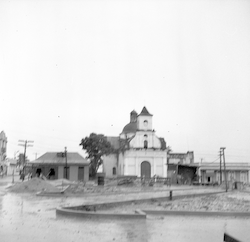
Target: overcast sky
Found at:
x=69, y=68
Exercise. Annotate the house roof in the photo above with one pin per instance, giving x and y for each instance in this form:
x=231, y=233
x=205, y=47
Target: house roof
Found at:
x=229, y=166
x=145, y=112
x=73, y=158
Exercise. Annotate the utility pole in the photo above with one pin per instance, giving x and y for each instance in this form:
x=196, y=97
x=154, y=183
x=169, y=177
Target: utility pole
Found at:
x=65, y=152
x=220, y=169
x=64, y=155
x=225, y=174
x=25, y=143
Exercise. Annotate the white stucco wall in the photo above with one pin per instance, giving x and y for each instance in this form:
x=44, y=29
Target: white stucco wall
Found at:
x=138, y=140
x=109, y=162
x=140, y=122
x=121, y=164
x=134, y=158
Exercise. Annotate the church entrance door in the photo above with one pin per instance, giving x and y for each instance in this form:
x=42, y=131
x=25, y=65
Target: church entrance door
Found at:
x=145, y=169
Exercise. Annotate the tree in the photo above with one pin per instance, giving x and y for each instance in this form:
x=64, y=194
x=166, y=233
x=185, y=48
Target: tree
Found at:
x=96, y=146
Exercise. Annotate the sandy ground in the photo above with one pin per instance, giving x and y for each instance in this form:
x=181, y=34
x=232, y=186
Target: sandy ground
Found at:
x=232, y=201
x=26, y=217
x=226, y=202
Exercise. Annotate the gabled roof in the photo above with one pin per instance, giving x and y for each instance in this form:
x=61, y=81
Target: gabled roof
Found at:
x=145, y=112
x=73, y=158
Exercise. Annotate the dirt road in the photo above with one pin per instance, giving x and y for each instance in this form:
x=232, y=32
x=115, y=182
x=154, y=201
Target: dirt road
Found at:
x=25, y=217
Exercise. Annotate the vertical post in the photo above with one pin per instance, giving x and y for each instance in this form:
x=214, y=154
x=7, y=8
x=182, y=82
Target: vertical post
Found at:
x=170, y=195
x=25, y=145
x=225, y=174
x=66, y=162
x=220, y=169
x=13, y=176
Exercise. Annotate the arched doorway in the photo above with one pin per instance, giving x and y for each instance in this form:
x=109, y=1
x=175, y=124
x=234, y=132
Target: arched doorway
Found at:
x=145, y=169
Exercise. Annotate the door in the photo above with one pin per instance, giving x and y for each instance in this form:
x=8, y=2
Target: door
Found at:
x=145, y=169
x=81, y=173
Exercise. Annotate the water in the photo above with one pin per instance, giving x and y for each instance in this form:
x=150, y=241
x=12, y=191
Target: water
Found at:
x=28, y=218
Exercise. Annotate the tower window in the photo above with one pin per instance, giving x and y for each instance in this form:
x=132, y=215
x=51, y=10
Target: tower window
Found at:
x=145, y=136
x=114, y=171
x=145, y=144
x=145, y=123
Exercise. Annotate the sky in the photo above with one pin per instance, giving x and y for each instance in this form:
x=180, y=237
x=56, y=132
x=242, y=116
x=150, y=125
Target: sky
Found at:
x=69, y=68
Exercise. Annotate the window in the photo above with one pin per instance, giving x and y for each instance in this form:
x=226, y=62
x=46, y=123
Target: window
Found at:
x=145, y=144
x=145, y=123
x=145, y=136
x=114, y=170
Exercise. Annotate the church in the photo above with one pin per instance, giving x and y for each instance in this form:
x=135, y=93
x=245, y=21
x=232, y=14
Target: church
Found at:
x=139, y=151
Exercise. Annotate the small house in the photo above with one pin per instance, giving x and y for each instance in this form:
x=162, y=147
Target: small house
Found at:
x=58, y=165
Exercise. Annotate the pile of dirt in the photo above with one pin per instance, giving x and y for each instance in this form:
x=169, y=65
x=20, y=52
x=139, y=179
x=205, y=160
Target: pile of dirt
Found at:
x=61, y=182
x=82, y=189
x=33, y=185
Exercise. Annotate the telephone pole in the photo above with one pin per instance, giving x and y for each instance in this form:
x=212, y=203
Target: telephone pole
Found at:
x=25, y=143
x=64, y=155
x=225, y=174
x=65, y=152
x=220, y=169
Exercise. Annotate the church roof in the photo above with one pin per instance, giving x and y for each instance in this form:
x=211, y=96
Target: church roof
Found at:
x=130, y=128
x=145, y=112
x=114, y=141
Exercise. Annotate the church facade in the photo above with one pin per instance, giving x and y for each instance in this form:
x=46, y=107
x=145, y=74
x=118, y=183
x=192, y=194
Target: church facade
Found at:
x=139, y=151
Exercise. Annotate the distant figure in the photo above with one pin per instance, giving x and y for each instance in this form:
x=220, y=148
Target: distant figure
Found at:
x=51, y=174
